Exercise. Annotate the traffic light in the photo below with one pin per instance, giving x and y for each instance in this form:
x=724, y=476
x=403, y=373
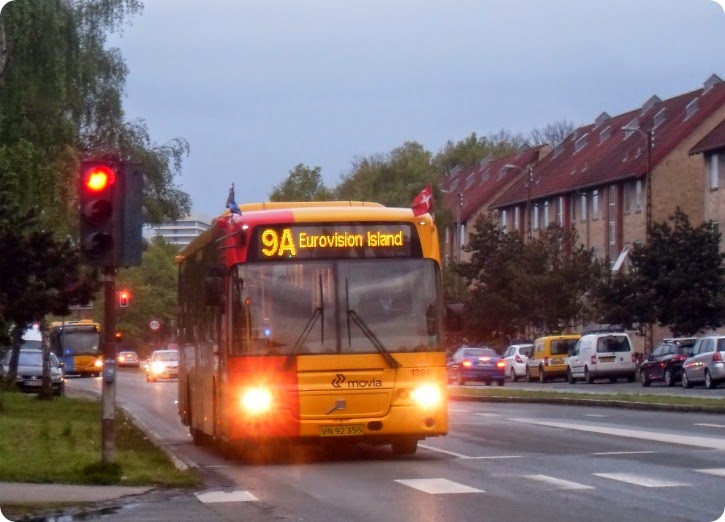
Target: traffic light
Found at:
x=123, y=297
x=118, y=336
x=111, y=213
x=98, y=194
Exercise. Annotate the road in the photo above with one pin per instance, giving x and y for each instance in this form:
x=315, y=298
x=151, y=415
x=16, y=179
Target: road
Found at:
x=500, y=461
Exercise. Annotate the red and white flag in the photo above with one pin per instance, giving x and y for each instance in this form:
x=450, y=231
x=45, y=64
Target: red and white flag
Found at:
x=423, y=202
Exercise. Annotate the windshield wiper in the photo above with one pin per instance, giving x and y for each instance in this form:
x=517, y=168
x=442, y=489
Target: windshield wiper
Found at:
x=317, y=313
x=352, y=314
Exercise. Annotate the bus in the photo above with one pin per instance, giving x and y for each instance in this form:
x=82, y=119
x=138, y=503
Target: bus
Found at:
x=313, y=322
x=77, y=344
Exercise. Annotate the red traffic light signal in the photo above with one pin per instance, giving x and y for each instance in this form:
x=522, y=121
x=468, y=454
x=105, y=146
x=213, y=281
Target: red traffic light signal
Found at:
x=123, y=297
x=97, y=214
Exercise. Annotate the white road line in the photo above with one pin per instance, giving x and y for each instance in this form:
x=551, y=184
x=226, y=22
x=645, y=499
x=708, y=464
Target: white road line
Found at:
x=718, y=472
x=709, y=425
x=438, y=486
x=595, y=415
x=642, y=480
x=558, y=483
x=468, y=457
x=624, y=452
x=651, y=436
x=225, y=496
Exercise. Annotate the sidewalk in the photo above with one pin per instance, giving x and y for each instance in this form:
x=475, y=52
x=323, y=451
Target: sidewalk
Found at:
x=24, y=494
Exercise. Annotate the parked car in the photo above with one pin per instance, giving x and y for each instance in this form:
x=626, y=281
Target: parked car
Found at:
x=128, y=358
x=664, y=364
x=602, y=356
x=548, y=358
x=706, y=364
x=515, y=357
x=470, y=363
x=30, y=370
x=163, y=364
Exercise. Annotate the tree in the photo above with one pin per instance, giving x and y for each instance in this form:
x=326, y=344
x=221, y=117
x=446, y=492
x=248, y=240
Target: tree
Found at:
x=302, y=184
x=393, y=179
x=677, y=279
x=515, y=286
x=552, y=134
x=471, y=150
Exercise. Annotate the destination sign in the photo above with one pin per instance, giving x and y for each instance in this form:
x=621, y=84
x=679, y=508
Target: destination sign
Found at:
x=358, y=240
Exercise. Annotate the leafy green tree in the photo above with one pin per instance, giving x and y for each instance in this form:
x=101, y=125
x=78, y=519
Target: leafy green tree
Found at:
x=393, y=179
x=471, y=150
x=515, y=286
x=677, y=279
x=302, y=184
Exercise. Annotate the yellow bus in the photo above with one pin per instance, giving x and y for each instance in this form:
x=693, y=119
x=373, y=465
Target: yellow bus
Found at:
x=313, y=322
x=77, y=344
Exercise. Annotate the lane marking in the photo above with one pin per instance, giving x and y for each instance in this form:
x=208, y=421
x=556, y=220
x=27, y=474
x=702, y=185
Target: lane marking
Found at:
x=709, y=425
x=718, y=472
x=212, y=497
x=438, y=486
x=558, y=483
x=624, y=453
x=599, y=415
x=651, y=436
x=467, y=457
x=642, y=480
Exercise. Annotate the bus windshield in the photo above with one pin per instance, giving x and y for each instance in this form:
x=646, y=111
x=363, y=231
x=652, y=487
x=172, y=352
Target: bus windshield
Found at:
x=77, y=342
x=336, y=306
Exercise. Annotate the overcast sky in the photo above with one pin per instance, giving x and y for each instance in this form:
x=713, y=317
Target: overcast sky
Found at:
x=259, y=86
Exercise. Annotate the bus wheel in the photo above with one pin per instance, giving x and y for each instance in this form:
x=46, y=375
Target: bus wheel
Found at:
x=404, y=446
x=197, y=436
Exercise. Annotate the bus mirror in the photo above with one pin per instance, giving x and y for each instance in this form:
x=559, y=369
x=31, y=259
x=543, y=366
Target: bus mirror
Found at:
x=214, y=290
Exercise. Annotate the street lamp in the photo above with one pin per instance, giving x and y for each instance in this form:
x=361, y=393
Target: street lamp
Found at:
x=529, y=178
x=647, y=135
x=648, y=333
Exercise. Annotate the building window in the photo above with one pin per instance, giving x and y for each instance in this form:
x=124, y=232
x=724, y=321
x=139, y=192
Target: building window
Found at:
x=536, y=217
x=595, y=204
x=560, y=211
x=628, y=197
x=574, y=204
x=546, y=214
x=517, y=224
x=612, y=218
x=583, y=207
x=715, y=171
x=638, y=196
x=503, y=220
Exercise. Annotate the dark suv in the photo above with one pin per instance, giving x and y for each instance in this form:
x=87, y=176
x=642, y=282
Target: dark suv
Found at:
x=665, y=361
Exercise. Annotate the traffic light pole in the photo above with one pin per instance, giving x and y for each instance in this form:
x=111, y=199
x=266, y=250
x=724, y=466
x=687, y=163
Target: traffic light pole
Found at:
x=108, y=389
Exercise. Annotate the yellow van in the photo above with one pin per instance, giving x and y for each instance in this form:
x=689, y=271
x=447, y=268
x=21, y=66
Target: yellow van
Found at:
x=548, y=359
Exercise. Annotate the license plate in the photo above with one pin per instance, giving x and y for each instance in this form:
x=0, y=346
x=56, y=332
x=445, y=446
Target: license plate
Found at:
x=349, y=430
x=34, y=382
x=607, y=359
x=557, y=361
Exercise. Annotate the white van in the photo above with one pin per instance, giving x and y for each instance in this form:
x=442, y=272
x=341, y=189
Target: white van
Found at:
x=602, y=356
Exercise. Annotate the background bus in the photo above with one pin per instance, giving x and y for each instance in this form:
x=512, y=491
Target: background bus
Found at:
x=78, y=345
x=313, y=321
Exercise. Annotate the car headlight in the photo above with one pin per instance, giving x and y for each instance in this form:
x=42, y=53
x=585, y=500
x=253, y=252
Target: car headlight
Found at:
x=158, y=367
x=256, y=400
x=427, y=395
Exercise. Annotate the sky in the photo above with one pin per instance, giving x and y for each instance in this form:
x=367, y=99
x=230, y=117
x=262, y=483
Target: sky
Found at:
x=259, y=86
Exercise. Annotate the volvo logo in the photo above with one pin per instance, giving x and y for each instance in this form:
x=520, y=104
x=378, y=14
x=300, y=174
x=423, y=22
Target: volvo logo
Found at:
x=338, y=380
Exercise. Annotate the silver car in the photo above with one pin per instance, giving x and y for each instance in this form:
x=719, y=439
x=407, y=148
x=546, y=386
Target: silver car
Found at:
x=30, y=371
x=707, y=362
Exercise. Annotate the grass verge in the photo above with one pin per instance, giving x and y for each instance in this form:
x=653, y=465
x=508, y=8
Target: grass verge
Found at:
x=59, y=441
x=633, y=400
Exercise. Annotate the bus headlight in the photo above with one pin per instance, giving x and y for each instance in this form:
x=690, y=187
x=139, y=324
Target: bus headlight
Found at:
x=427, y=395
x=256, y=400
x=98, y=363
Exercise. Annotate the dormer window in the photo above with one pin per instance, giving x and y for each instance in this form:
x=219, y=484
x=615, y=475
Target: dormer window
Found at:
x=691, y=108
x=659, y=118
x=604, y=135
x=454, y=185
x=469, y=179
x=580, y=143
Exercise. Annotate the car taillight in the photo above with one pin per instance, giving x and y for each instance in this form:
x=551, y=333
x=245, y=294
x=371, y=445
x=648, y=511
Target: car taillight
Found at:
x=679, y=358
x=634, y=358
x=466, y=363
x=518, y=359
x=501, y=364
x=594, y=359
x=716, y=357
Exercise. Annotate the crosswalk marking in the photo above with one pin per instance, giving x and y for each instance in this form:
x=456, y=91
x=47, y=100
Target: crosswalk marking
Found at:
x=225, y=496
x=718, y=472
x=642, y=480
x=438, y=486
x=558, y=483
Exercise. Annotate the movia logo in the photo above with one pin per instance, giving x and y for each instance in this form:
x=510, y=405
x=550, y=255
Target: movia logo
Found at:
x=338, y=380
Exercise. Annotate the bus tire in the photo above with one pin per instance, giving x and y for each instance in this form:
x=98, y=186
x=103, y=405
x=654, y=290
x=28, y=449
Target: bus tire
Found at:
x=404, y=446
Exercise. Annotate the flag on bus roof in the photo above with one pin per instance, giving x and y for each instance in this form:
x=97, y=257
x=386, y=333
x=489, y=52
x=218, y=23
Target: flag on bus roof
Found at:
x=231, y=204
x=423, y=202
